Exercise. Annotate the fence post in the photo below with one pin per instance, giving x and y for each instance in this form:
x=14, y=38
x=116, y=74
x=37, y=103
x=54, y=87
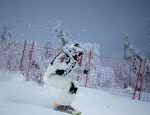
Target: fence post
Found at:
x=139, y=82
x=89, y=62
x=80, y=64
x=46, y=53
x=142, y=78
x=22, y=56
x=30, y=60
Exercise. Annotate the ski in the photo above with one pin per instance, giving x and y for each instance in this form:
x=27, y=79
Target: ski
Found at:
x=67, y=109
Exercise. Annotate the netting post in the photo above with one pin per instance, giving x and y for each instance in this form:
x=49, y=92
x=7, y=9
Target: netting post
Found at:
x=139, y=82
x=22, y=56
x=89, y=62
x=46, y=53
x=142, y=78
x=80, y=64
x=30, y=60
x=134, y=94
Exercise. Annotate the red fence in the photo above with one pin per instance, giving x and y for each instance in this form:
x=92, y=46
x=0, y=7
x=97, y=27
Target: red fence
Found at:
x=120, y=77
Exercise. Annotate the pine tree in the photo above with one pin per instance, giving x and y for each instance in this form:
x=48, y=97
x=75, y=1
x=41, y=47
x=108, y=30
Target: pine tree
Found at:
x=8, y=48
x=149, y=38
x=62, y=36
x=128, y=49
x=6, y=34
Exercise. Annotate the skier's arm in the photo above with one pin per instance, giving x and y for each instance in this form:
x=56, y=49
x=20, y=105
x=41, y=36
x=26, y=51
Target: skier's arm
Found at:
x=82, y=70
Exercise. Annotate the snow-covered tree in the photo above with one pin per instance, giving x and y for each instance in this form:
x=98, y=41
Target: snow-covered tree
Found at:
x=128, y=49
x=131, y=55
x=9, y=50
x=62, y=35
x=6, y=37
x=6, y=33
x=148, y=55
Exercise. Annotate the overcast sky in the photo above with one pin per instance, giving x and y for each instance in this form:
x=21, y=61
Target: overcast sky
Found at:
x=98, y=21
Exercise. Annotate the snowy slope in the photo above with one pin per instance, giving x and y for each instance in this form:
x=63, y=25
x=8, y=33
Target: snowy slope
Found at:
x=18, y=97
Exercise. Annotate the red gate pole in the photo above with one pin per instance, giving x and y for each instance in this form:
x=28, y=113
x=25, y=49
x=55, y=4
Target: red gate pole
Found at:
x=22, y=56
x=89, y=62
x=140, y=78
x=30, y=59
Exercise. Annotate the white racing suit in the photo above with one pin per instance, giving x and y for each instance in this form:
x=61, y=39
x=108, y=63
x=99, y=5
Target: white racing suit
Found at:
x=57, y=76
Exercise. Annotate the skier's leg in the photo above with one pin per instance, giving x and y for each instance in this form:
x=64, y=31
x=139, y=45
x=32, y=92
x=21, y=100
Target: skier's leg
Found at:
x=68, y=89
x=68, y=94
x=66, y=97
x=56, y=81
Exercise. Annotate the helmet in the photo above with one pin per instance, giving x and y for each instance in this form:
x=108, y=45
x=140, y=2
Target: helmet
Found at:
x=74, y=49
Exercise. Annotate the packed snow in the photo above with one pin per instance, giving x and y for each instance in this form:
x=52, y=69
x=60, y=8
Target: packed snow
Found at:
x=19, y=97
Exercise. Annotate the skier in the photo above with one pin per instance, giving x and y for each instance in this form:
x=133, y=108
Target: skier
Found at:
x=58, y=72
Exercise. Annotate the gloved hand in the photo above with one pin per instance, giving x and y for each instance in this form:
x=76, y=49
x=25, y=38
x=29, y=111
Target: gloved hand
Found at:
x=86, y=71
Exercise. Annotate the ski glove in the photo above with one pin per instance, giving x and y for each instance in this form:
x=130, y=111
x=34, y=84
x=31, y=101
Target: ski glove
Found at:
x=86, y=71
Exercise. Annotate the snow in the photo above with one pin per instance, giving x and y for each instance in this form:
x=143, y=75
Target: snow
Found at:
x=19, y=97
